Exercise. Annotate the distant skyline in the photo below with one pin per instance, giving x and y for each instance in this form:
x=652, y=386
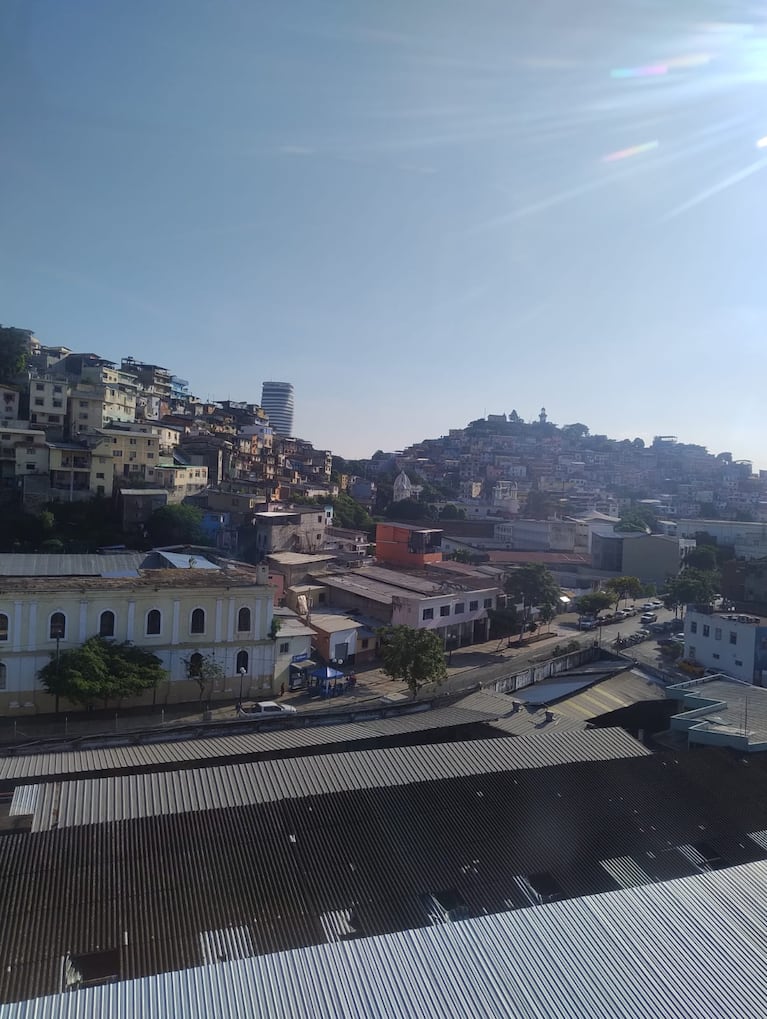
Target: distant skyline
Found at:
x=416, y=212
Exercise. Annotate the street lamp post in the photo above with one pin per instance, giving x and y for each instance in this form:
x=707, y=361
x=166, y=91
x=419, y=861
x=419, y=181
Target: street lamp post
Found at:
x=338, y=663
x=57, y=634
x=242, y=679
x=452, y=640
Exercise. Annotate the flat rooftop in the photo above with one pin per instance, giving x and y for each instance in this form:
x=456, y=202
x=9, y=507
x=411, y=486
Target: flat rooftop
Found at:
x=721, y=706
x=334, y=622
x=132, y=580
x=299, y=558
x=546, y=558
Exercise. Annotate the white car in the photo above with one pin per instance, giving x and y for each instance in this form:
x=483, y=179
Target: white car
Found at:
x=266, y=708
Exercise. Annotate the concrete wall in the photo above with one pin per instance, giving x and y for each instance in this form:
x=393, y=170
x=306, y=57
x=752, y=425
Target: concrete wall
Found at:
x=711, y=644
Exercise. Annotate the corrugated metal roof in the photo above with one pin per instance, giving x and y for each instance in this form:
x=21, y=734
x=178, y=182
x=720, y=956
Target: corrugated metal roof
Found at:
x=127, y=797
x=689, y=947
x=186, y=562
x=289, y=870
x=525, y=722
x=23, y=564
x=612, y=694
x=24, y=800
x=163, y=753
x=734, y=706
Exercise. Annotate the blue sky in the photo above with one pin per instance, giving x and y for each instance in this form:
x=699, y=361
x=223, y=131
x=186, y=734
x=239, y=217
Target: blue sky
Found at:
x=417, y=211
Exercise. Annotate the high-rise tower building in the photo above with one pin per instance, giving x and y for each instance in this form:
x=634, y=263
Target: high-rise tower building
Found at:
x=277, y=401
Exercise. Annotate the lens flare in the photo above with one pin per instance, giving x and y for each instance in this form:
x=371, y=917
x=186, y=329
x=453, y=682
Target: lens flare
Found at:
x=650, y=71
x=634, y=150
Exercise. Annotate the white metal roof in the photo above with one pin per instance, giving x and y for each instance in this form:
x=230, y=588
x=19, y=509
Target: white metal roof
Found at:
x=693, y=947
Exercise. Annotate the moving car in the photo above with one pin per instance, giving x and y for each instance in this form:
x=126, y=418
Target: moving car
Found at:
x=648, y=617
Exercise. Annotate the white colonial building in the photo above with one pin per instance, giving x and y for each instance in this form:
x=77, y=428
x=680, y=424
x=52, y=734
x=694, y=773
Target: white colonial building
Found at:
x=188, y=610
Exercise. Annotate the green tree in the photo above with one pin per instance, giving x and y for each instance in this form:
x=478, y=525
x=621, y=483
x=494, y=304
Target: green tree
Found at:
x=532, y=586
x=203, y=669
x=52, y=545
x=451, y=512
x=464, y=555
x=408, y=509
x=101, y=670
x=638, y=518
x=13, y=352
x=576, y=431
x=176, y=525
x=347, y=512
x=503, y=622
x=691, y=586
x=702, y=558
x=414, y=656
x=594, y=603
x=47, y=521
x=623, y=587
x=539, y=505
x=275, y=627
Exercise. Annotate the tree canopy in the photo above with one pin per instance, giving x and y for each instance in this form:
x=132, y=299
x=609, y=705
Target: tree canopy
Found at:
x=414, y=656
x=533, y=586
x=101, y=670
x=176, y=525
x=638, y=518
x=701, y=558
x=410, y=509
x=593, y=603
x=347, y=512
x=691, y=586
x=539, y=505
x=624, y=587
x=13, y=352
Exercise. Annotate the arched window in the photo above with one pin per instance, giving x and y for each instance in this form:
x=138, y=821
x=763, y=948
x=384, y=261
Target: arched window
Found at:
x=58, y=626
x=243, y=620
x=197, y=624
x=3, y=626
x=3, y=675
x=242, y=661
x=153, y=622
x=107, y=624
x=195, y=665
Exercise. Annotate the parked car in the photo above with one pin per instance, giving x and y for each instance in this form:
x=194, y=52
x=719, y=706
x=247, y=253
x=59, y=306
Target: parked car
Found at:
x=648, y=617
x=264, y=708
